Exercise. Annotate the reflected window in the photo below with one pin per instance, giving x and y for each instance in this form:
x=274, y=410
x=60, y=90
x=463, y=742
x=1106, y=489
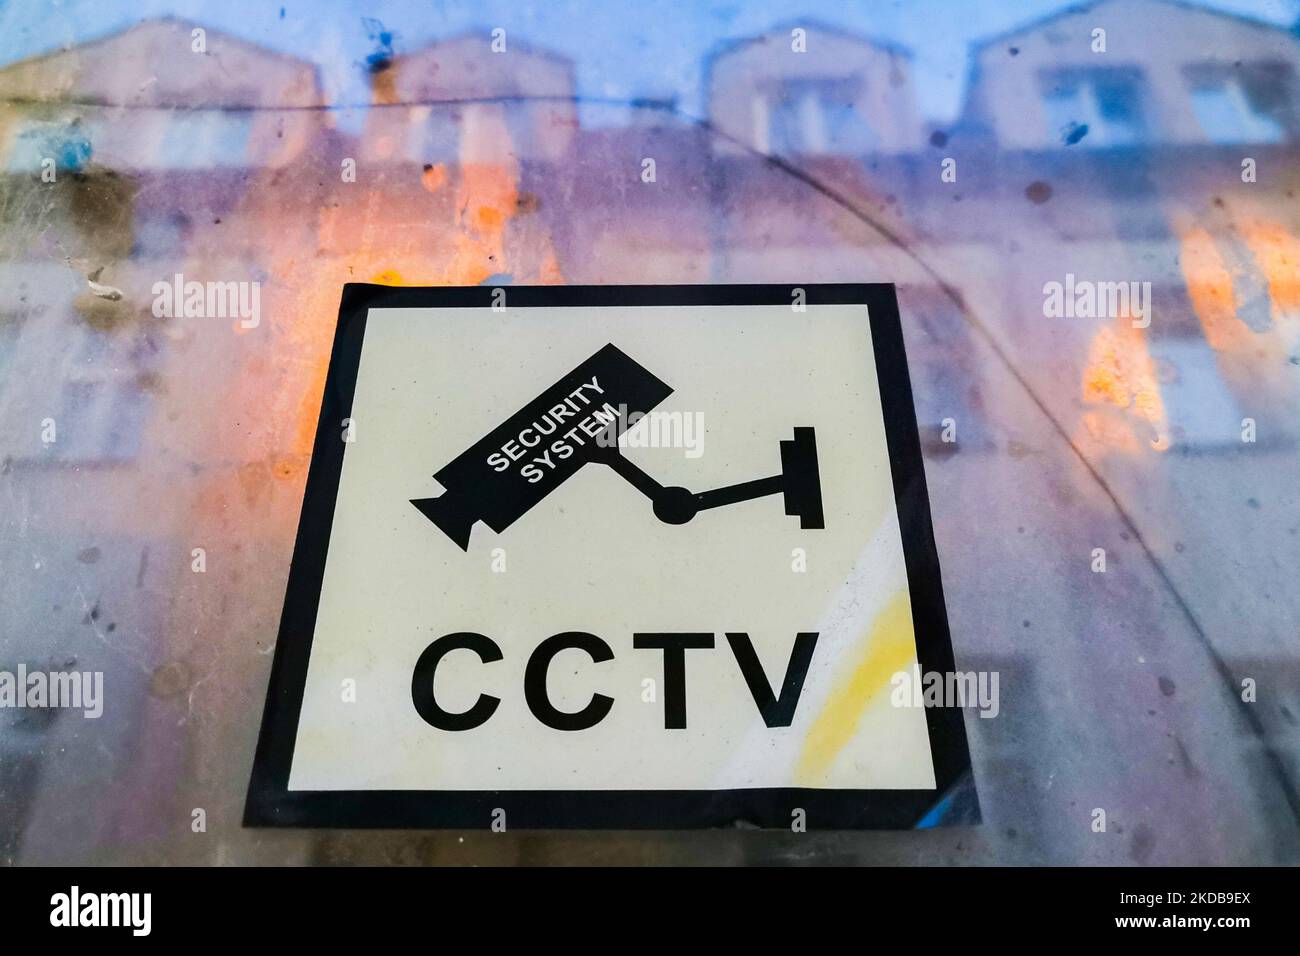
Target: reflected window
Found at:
x=160, y=234
x=434, y=135
x=102, y=413
x=68, y=144
x=101, y=398
x=202, y=139
x=1202, y=406
x=1095, y=108
x=819, y=115
x=1241, y=106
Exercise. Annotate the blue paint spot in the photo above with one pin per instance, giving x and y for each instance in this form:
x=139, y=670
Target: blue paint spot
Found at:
x=68, y=146
x=381, y=57
x=74, y=154
x=1074, y=132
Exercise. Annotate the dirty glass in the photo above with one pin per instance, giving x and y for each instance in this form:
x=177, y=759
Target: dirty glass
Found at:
x=1091, y=217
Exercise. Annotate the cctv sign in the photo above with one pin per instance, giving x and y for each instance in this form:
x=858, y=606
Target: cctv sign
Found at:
x=613, y=557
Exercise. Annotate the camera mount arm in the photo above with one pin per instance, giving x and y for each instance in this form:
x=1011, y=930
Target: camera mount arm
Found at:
x=799, y=482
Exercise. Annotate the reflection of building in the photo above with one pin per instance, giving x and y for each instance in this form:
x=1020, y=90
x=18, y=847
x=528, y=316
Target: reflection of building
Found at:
x=810, y=89
x=124, y=162
x=1211, y=78
x=458, y=97
x=1105, y=146
x=99, y=102
x=455, y=138
x=143, y=161
x=839, y=107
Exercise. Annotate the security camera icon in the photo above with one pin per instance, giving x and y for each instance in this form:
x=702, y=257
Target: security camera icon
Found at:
x=576, y=422
x=799, y=483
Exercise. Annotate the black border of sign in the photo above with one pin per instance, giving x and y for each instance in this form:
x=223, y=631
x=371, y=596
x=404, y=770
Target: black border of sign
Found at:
x=272, y=803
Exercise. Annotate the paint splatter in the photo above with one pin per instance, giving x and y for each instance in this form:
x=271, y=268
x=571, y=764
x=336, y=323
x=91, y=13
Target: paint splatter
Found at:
x=1073, y=133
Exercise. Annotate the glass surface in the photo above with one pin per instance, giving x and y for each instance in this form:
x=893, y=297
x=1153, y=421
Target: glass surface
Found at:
x=1096, y=242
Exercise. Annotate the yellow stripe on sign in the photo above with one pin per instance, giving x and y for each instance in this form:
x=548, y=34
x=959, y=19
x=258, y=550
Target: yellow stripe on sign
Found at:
x=887, y=648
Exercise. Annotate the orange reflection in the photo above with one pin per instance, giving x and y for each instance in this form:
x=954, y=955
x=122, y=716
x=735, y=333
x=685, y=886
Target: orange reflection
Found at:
x=1278, y=254
x=1252, y=360
x=1210, y=288
x=1120, y=385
